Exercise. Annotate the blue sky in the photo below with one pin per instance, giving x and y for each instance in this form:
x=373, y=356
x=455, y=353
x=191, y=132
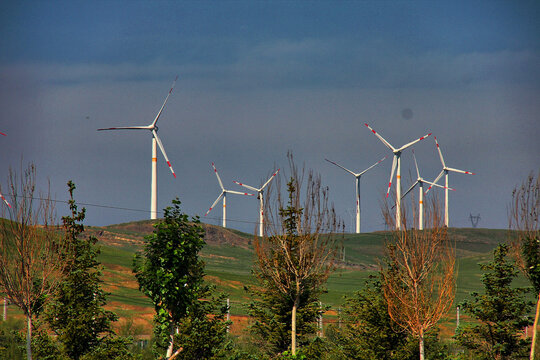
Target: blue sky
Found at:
x=258, y=78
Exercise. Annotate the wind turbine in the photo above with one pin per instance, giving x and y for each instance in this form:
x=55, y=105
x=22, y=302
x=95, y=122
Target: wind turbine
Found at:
x=155, y=142
x=445, y=170
x=420, y=182
x=396, y=163
x=260, y=197
x=223, y=195
x=2, y=196
x=357, y=176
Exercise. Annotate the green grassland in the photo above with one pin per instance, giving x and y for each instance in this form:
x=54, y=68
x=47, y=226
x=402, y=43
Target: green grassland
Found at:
x=229, y=259
x=229, y=265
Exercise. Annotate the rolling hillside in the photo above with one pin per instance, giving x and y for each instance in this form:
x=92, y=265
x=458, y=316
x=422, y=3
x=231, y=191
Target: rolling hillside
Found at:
x=229, y=258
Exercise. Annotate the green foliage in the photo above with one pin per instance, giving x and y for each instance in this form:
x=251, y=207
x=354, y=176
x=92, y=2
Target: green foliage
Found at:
x=270, y=312
x=501, y=312
x=170, y=272
x=76, y=314
x=368, y=332
x=110, y=348
x=292, y=213
x=287, y=355
x=12, y=343
x=202, y=333
x=44, y=347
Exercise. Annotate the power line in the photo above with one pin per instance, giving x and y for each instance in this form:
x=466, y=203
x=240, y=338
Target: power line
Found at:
x=132, y=209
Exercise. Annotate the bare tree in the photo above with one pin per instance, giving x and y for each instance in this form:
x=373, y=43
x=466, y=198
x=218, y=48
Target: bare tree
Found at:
x=32, y=256
x=419, y=277
x=525, y=239
x=296, y=255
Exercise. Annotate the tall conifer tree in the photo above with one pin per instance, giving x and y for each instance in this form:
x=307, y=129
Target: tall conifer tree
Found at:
x=77, y=315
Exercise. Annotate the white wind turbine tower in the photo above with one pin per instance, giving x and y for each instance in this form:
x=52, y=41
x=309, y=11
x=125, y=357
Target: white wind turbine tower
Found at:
x=260, y=197
x=2, y=196
x=155, y=142
x=396, y=163
x=445, y=170
x=420, y=182
x=357, y=176
x=223, y=195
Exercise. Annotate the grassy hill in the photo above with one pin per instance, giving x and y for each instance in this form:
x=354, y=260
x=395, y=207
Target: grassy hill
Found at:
x=229, y=259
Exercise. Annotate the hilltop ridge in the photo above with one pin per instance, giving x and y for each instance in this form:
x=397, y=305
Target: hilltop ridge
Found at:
x=131, y=235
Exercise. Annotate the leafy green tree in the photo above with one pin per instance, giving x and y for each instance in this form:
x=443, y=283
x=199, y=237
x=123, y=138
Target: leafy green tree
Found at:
x=202, y=333
x=76, y=314
x=271, y=314
x=368, y=332
x=501, y=312
x=170, y=273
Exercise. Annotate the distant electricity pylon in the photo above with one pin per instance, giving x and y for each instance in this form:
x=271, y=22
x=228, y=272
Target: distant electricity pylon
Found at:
x=475, y=220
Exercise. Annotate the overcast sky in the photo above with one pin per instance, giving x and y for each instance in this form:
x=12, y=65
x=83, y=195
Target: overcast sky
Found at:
x=258, y=78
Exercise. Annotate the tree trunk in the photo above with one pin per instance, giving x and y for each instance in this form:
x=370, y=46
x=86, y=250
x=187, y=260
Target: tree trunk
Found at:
x=170, y=349
x=293, y=324
x=533, y=344
x=29, y=337
x=421, y=343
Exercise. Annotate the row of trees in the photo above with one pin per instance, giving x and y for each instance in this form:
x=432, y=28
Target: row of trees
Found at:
x=54, y=276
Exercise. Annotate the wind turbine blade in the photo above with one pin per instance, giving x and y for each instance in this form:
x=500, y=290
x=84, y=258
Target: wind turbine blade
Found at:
x=126, y=128
x=372, y=166
x=410, y=189
x=238, y=192
x=162, y=106
x=344, y=168
x=413, y=142
x=460, y=171
x=381, y=138
x=436, y=179
x=3, y=198
x=218, y=178
x=1, y=133
x=215, y=202
x=391, y=176
x=416, y=164
x=270, y=179
x=154, y=132
x=440, y=153
x=435, y=184
x=246, y=186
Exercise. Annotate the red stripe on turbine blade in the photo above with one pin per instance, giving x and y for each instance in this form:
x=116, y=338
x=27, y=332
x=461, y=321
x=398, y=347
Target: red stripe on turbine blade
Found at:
x=174, y=175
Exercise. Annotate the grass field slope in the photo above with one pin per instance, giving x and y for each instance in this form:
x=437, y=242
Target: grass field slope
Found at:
x=229, y=259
